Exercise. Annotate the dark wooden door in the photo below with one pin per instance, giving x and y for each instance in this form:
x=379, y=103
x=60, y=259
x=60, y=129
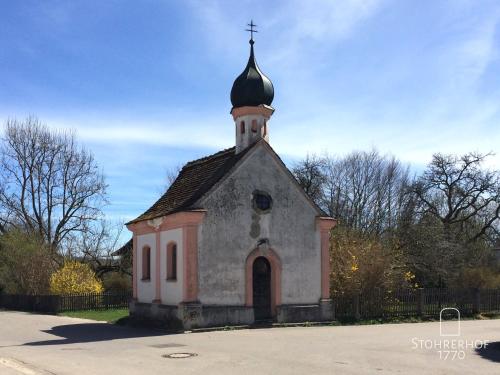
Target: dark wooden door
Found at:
x=261, y=288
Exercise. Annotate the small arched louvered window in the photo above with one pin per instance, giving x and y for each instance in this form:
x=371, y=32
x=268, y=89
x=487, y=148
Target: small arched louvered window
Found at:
x=254, y=126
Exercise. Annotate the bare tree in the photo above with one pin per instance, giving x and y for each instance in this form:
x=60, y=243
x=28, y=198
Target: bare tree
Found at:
x=365, y=190
x=462, y=195
x=455, y=218
x=442, y=222
x=310, y=175
x=49, y=185
x=171, y=174
x=95, y=246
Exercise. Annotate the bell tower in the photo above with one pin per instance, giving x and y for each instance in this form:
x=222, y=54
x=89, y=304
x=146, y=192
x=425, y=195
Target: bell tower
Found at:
x=251, y=97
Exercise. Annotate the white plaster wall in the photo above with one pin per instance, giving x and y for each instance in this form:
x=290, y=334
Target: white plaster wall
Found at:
x=249, y=137
x=146, y=289
x=171, y=291
x=232, y=228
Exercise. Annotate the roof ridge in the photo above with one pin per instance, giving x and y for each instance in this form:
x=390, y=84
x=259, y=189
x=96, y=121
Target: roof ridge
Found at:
x=205, y=158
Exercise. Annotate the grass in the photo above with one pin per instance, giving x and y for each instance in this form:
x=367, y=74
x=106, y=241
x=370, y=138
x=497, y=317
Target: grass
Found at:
x=110, y=316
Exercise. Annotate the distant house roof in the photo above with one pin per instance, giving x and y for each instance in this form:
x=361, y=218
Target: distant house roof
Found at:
x=125, y=249
x=193, y=181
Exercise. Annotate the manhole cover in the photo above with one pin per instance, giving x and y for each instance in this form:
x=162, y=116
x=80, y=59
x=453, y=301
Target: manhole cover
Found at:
x=179, y=355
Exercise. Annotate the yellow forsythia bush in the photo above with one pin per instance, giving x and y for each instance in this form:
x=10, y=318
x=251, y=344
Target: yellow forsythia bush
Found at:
x=75, y=278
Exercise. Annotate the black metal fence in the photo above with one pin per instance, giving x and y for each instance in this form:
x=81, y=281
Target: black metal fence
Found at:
x=416, y=303
x=61, y=303
x=373, y=305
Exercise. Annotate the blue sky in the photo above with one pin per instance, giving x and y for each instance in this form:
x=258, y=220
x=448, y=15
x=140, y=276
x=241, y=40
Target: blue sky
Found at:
x=146, y=83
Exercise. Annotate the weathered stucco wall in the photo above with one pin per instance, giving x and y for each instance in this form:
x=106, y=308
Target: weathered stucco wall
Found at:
x=232, y=228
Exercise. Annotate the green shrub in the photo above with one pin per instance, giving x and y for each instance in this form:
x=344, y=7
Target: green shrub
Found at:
x=115, y=281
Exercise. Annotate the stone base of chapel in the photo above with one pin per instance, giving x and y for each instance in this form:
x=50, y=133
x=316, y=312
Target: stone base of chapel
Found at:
x=196, y=315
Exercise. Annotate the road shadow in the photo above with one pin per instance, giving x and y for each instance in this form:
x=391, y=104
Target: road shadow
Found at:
x=490, y=351
x=93, y=332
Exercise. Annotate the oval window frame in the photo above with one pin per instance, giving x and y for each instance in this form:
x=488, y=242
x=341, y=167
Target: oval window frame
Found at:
x=255, y=205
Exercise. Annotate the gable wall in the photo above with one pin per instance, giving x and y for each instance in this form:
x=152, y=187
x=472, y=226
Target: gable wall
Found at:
x=232, y=228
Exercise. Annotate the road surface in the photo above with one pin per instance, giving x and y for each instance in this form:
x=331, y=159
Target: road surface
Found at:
x=33, y=344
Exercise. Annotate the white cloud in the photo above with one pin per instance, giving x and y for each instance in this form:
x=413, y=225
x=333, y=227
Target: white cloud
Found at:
x=327, y=19
x=455, y=117
x=177, y=130
x=285, y=26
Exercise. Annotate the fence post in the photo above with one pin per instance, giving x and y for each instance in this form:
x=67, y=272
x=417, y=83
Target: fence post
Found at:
x=334, y=305
x=420, y=301
x=56, y=304
x=476, y=304
x=357, y=314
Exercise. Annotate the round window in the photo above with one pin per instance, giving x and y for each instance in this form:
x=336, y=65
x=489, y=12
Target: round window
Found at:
x=262, y=201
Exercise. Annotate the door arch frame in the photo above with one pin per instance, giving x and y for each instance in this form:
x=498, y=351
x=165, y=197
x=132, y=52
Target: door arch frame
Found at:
x=275, y=263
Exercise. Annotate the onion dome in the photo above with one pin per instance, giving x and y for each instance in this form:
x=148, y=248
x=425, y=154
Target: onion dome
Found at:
x=252, y=87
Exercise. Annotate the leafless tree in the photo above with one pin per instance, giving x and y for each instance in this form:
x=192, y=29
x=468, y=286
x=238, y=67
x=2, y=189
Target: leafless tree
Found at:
x=95, y=246
x=364, y=190
x=49, y=185
x=310, y=175
x=171, y=174
x=461, y=194
x=455, y=218
x=441, y=222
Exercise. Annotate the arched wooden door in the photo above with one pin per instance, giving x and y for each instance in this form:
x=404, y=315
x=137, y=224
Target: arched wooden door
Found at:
x=261, y=280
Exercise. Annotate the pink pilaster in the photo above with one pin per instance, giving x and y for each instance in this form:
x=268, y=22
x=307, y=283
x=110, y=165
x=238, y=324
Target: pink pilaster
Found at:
x=157, y=268
x=190, y=256
x=134, y=267
x=325, y=224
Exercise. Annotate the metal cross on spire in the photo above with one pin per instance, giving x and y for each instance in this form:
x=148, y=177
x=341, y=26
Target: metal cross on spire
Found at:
x=252, y=25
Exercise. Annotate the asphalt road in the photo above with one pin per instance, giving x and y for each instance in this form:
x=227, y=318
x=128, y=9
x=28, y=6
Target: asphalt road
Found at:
x=41, y=344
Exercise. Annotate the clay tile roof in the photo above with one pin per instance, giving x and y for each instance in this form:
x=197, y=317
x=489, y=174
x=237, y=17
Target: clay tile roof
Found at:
x=124, y=250
x=193, y=181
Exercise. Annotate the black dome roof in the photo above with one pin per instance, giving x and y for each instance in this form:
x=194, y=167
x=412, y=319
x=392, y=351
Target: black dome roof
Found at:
x=252, y=87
